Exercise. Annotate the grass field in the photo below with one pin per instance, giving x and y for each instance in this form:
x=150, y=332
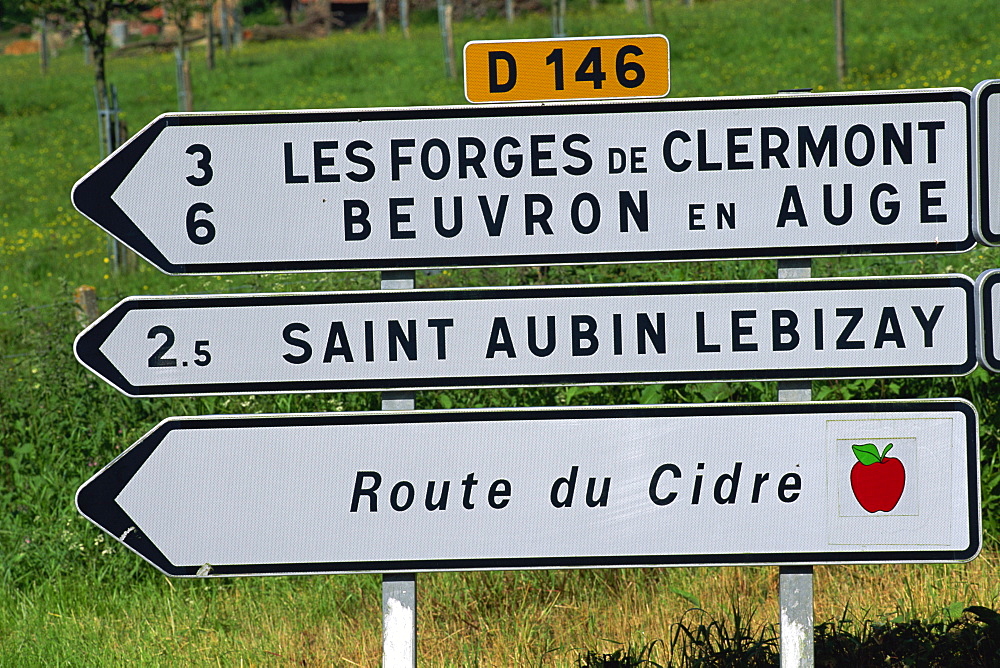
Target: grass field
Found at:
x=70, y=597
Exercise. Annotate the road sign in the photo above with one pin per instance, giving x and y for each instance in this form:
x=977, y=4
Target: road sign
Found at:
x=570, y=68
x=642, y=333
x=987, y=316
x=547, y=488
x=986, y=145
x=719, y=178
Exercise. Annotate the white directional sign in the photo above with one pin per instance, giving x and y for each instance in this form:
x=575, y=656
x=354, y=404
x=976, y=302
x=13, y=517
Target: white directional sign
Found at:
x=986, y=146
x=718, y=178
x=988, y=319
x=832, y=328
x=486, y=490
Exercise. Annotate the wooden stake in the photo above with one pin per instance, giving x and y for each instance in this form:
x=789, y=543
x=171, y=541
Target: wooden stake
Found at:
x=85, y=298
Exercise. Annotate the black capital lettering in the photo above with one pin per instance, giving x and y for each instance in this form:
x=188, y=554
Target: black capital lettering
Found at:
x=584, y=329
x=740, y=330
x=356, y=225
x=784, y=324
x=928, y=324
x=290, y=176
x=286, y=334
x=854, y=315
x=493, y=58
x=500, y=339
x=791, y=208
x=702, y=346
x=927, y=201
x=360, y=490
x=654, y=484
x=321, y=161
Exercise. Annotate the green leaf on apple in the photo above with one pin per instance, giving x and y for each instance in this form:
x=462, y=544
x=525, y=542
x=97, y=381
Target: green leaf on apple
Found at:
x=868, y=453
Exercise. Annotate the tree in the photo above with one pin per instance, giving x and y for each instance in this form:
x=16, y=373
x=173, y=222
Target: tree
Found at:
x=13, y=12
x=93, y=17
x=180, y=13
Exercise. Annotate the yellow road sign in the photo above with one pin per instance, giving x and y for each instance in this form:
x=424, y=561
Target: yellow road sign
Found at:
x=576, y=68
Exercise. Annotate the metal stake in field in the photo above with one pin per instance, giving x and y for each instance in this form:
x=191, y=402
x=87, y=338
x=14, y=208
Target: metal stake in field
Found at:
x=445, y=10
x=840, y=38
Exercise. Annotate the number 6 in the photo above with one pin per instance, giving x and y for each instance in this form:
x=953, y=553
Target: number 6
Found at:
x=195, y=224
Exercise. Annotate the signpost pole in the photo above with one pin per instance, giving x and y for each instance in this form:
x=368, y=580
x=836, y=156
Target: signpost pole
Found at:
x=399, y=590
x=795, y=583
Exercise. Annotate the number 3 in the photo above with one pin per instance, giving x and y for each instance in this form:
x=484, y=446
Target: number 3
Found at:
x=202, y=164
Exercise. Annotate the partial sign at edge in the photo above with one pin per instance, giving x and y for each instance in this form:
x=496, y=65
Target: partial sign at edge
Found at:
x=986, y=162
x=987, y=313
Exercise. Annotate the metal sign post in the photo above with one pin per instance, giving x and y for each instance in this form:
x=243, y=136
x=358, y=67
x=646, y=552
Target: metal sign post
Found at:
x=795, y=583
x=399, y=590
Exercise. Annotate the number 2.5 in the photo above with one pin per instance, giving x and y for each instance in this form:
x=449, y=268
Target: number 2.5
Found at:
x=159, y=359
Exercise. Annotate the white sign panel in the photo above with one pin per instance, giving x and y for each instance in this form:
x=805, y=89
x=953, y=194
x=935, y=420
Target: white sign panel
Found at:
x=986, y=145
x=548, y=488
x=678, y=332
x=791, y=175
x=987, y=316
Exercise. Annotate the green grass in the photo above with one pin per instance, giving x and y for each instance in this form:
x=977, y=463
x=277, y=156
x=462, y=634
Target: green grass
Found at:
x=70, y=597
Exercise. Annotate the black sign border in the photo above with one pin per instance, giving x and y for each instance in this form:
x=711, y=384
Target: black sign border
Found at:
x=986, y=314
x=92, y=194
x=87, y=345
x=95, y=499
x=981, y=95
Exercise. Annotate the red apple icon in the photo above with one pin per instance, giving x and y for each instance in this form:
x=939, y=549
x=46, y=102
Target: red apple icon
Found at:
x=876, y=480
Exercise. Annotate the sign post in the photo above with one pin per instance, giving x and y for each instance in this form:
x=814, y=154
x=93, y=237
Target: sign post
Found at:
x=399, y=590
x=795, y=583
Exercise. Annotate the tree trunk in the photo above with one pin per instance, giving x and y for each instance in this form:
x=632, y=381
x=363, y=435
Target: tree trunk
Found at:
x=43, y=44
x=840, y=39
x=236, y=37
x=184, y=93
x=189, y=94
x=100, y=75
x=404, y=17
x=210, y=38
